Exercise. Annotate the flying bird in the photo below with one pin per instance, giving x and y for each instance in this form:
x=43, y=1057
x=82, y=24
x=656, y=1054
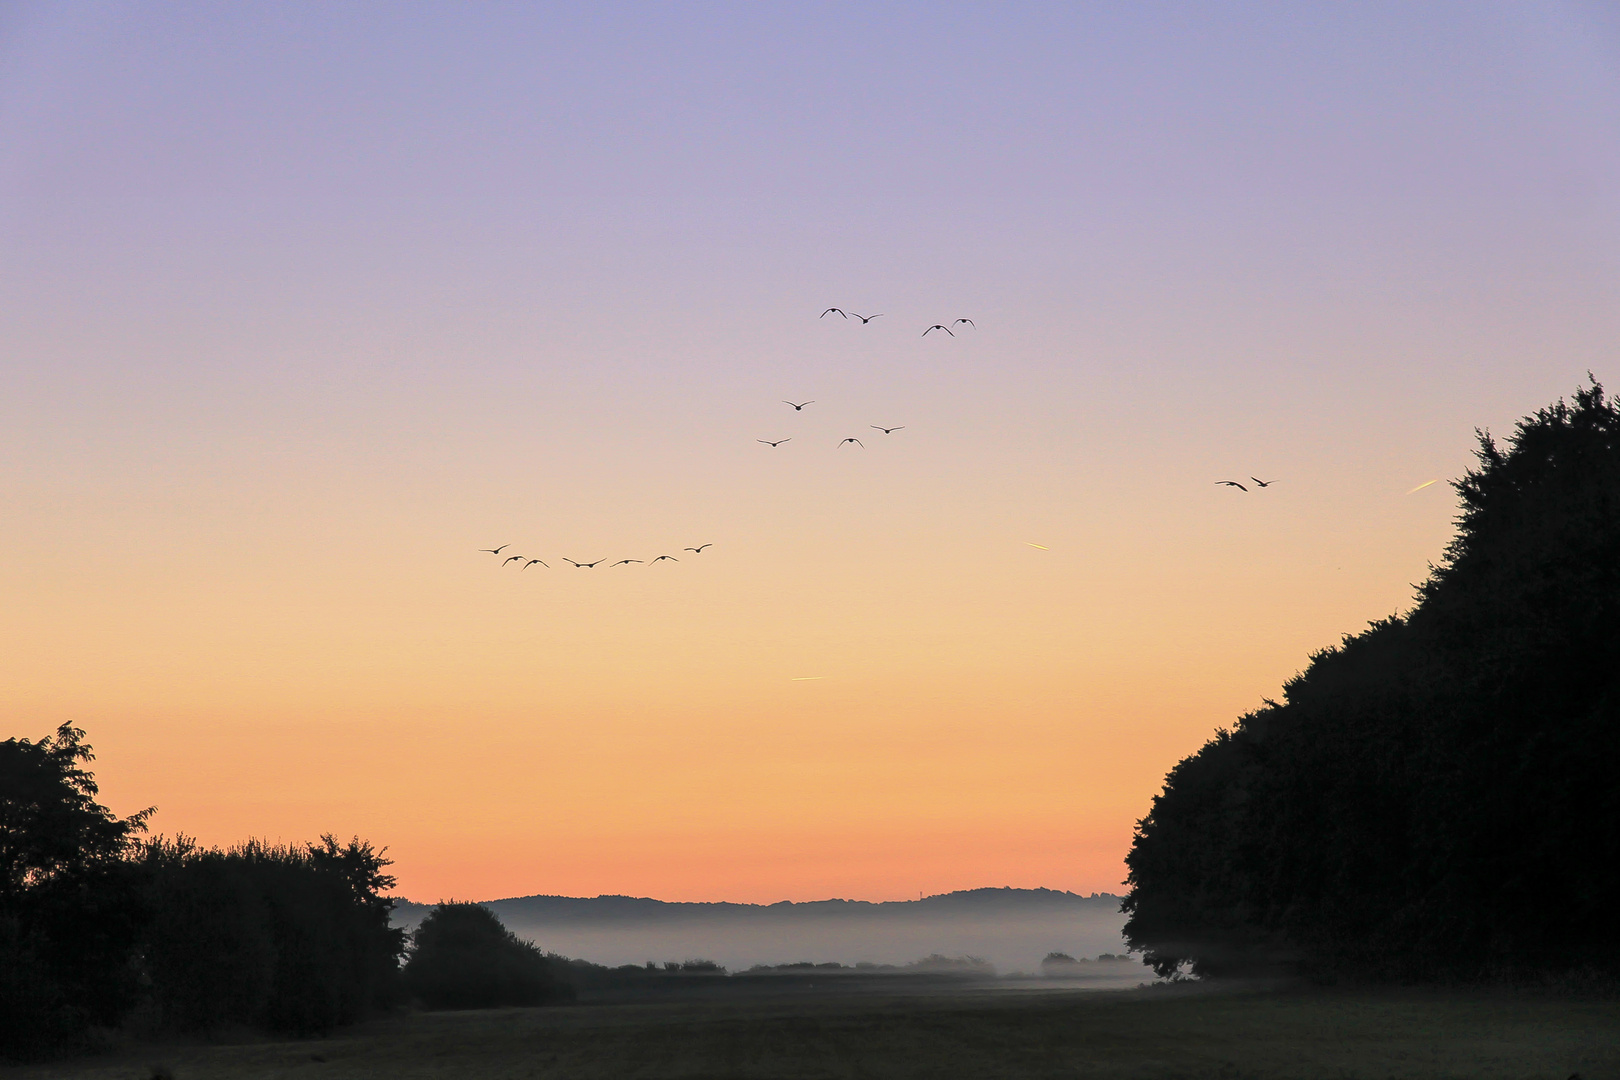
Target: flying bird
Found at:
x=671, y=558
x=582, y=565
x=867, y=318
x=829, y=311
x=512, y=558
x=531, y=562
x=959, y=322
x=496, y=551
x=699, y=550
x=886, y=430
x=854, y=440
x=1262, y=483
x=621, y=562
x=778, y=442
x=937, y=326
x=799, y=407
x=1231, y=483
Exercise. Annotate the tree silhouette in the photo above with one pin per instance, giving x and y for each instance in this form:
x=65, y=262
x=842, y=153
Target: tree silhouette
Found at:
x=1434, y=795
x=94, y=922
x=70, y=907
x=50, y=822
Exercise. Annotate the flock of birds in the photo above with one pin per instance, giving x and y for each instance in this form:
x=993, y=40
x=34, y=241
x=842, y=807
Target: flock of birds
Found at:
x=868, y=318
x=528, y=562
x=798, y=406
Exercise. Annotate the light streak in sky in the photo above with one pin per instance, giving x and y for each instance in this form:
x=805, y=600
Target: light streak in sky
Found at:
x=807, y=678
x=1420, y=487
x=1043, y=547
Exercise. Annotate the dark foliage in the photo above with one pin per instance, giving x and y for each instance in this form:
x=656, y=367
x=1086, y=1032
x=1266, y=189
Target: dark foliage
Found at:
x=50, y=822
x=95, y=925
x=70, y=907
x=461, y=957
x=286, y=939
x=1435, y=796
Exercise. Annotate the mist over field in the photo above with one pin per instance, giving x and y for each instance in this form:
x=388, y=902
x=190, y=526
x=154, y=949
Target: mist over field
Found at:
x=1011, y=928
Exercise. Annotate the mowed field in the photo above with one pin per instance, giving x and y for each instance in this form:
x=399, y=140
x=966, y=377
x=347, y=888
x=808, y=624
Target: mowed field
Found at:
x=799, y=1030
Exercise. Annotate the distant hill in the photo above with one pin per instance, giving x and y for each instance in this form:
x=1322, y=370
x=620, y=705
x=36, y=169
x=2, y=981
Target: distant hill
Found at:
x=984, y=903
x=1011, y=928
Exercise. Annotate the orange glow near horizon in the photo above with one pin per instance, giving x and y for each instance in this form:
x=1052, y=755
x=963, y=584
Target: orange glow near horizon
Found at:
x=644, y=735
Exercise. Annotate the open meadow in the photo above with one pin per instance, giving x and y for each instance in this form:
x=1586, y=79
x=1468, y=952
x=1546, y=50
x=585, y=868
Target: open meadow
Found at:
x=805, y=1028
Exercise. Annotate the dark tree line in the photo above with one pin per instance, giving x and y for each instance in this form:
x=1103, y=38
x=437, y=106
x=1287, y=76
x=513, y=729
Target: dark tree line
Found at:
x=101, y=927
x=1436, y=796
x=98, y=927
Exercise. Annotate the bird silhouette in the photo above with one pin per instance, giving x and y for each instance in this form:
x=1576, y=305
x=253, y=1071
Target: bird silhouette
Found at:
x=582, y=565
x=778, y=442
x=512, y=558
x=531, y=562
x=698, y=550
x=829, y=311
x=1231, y=483
x=800, y=406
x=886, y=430
x=854, y=440
x=1262, y=483
x=621, y=562
x=959, y=322
x=671, y=558
x=496, y=551
x=937, y=326
x=866, y=318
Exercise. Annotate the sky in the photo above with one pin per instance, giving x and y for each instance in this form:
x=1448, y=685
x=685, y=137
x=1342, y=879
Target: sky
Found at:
x=301, y=305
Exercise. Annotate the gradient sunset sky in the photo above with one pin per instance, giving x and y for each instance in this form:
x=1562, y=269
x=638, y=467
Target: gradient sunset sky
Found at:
x=301, y=305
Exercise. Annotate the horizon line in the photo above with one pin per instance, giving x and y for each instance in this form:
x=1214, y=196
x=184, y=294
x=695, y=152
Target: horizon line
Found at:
x=773, y=903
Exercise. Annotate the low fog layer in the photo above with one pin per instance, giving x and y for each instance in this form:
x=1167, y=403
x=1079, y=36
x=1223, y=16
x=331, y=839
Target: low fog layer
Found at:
x=1011, y=928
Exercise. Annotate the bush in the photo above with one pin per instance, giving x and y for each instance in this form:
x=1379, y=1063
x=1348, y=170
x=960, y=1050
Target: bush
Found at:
x=462, y=957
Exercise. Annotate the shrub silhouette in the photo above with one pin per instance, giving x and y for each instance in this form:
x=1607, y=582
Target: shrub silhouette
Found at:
x=462, y=957
x=1433, y=797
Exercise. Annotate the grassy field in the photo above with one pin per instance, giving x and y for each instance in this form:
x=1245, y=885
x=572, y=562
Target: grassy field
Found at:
x=798, y=1030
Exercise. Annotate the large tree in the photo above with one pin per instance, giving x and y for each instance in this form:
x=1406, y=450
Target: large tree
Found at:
x=50, y=822
x=1435, y=794
x=70, y=906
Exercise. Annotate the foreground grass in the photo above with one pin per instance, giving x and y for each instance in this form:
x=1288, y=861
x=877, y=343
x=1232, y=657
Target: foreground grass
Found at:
x=808, y=1033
